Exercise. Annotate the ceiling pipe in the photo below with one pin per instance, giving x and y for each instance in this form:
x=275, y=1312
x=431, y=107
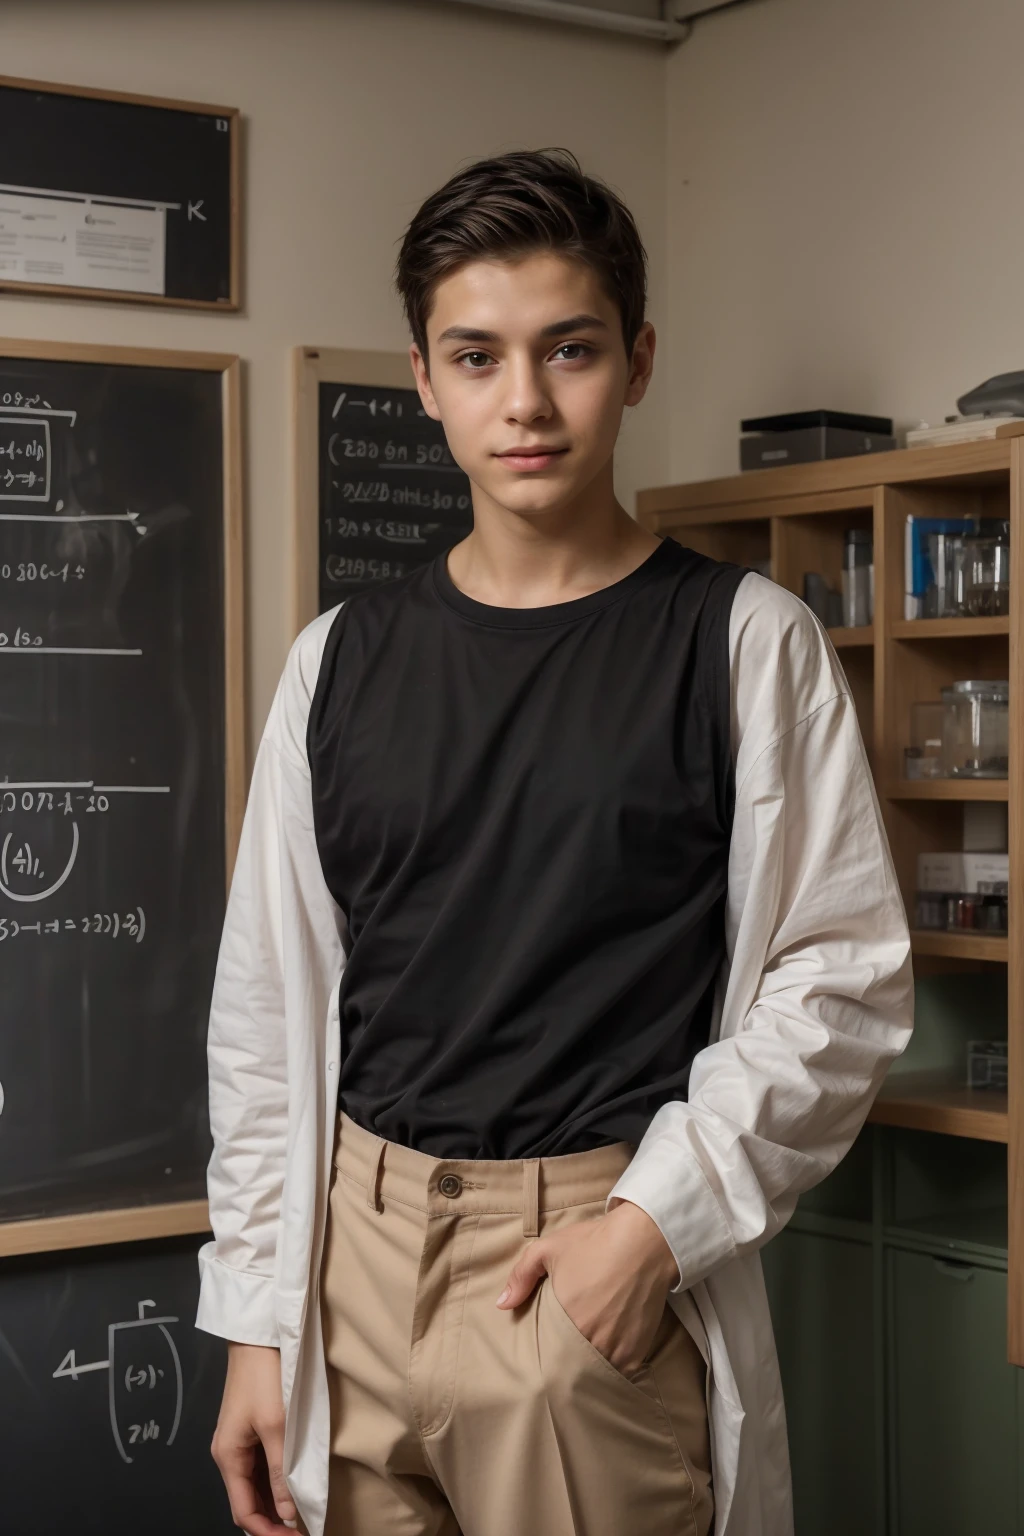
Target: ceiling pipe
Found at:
x=672, y=30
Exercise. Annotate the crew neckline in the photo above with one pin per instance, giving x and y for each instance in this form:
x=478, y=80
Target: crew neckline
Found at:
x=547, y=613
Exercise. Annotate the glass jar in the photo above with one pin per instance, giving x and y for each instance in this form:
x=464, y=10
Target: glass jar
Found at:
x=945, y=554
x=923, y=758
x=986, y=575
x=858, y=578
x=976, y=730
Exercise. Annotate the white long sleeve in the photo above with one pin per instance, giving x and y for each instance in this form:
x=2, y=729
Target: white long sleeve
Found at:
x=268, y=970
x=818, y=993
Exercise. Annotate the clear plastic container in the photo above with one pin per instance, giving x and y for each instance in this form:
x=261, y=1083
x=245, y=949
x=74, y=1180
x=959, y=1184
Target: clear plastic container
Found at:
x=858, y=578
x=923, y=758
x=986, y=575
x=976, y=730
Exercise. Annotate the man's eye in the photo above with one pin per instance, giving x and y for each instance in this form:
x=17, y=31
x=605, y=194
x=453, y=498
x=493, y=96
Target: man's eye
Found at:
x=475, y=359
x=576, y=348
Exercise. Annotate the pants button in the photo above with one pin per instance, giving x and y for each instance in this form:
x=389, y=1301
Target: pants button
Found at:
x=450, y=1185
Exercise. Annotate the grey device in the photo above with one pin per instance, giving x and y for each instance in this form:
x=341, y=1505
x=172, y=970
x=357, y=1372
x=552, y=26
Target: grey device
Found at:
x=1002, y=395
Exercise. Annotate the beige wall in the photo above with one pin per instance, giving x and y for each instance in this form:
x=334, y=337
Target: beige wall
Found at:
x=355, y=110
x=845, y=220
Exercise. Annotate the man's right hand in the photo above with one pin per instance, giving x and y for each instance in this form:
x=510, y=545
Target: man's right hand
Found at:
x=248, y=1443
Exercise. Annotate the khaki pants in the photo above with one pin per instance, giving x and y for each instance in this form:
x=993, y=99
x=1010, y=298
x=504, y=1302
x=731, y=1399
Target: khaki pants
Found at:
x=452, y=1417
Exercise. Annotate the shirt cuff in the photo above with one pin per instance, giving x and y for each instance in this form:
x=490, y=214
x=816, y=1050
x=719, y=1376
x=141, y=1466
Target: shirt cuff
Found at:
x=234, y=1303
x=668, y=1183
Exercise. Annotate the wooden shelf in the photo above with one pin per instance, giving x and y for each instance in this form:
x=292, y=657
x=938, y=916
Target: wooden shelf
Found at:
x=947, y=629
x=91, y=1228
x=925, y=1102
x=960, y=946
x=860, y=634
x=977, y=464
x=948, y=789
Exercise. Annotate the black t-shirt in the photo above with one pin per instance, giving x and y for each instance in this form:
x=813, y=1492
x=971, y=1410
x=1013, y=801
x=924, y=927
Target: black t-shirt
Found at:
x=524, y=814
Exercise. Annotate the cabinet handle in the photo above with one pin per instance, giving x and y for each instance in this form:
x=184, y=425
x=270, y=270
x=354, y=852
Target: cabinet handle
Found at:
x=954, y=1271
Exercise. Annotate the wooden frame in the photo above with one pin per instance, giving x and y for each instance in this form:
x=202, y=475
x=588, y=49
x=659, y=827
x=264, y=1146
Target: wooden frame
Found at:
x=171, y=1218
x=170, y=104
x=311, y=367
x=794, y=516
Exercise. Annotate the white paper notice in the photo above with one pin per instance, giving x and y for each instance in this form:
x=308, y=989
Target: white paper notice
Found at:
x=81, y=244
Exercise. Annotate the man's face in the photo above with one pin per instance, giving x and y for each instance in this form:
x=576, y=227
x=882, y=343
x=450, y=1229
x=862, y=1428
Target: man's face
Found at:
x=529, y=376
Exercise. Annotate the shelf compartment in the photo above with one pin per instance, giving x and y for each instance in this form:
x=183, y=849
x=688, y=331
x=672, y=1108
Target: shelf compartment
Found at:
x=928, y=1101
x=860, y=634
x=960, y=946
x=947, y=629
x=948, y=789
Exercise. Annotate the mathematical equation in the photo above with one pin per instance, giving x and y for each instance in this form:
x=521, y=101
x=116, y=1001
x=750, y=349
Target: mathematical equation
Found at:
x=28, y=570
x=340, y=568
x=24, y=456
x=38, y=798
x=131, y=925
x=420, y=498
x=19, y=639
x=392, y=533
x=37, y=818
x=142, y=1362
x=387, y=406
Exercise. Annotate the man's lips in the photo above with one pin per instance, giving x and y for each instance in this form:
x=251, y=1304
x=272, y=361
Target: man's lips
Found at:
x=530, y=458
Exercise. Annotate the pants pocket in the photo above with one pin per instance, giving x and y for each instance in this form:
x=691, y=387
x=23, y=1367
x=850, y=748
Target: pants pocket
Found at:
x=637, y=1381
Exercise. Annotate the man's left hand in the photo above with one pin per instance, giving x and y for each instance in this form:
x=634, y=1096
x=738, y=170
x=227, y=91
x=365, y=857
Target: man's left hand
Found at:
x=611, y=1275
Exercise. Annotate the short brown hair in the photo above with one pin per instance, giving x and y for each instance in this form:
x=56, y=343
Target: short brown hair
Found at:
x=511, y=205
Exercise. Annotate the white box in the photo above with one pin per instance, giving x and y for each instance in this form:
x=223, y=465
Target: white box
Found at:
x=965, y=874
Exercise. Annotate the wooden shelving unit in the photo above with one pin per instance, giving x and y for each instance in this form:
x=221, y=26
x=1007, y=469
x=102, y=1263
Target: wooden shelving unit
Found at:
x=948, y=789
x=929, y=1103
x=861, y=634
x=795, y=519
x=961, y=946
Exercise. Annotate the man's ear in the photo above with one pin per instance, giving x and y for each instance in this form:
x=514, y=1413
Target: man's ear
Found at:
x=641, y=364
x=422, y=376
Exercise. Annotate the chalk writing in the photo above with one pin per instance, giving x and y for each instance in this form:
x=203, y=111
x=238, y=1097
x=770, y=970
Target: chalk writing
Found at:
x=131, y=925
x=28, y=570
x=393, y=533
x=24, y=455
x=149, y=1341
x=340, y=568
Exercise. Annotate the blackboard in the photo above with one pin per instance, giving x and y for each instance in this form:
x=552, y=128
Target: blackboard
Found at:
x=118, y=196
x=114, y=774
x=391, y=495
x=109, y=1394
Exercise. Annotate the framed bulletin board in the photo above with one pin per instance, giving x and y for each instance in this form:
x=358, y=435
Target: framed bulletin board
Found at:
x=376, y=489
x=122, y=780
x=110, y=196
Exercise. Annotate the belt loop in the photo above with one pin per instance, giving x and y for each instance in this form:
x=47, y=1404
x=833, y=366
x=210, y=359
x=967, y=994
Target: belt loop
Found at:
x=373, y=1178
x=531, y=1171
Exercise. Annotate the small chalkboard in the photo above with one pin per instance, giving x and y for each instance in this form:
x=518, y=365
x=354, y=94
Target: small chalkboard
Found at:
x=118, y=196
x=377, y=489
x=121, y=768
x=109, y=1394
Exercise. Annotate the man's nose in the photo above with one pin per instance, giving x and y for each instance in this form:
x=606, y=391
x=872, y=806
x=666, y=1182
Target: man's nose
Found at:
x=526, y=398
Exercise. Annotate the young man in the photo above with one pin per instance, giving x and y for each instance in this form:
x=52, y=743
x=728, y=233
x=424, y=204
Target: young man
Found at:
x=563, y=952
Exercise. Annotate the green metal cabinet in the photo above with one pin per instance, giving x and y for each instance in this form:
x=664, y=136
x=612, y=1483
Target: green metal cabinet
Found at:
x=955, y=1435
x=888, y=1299
x=822, y=1298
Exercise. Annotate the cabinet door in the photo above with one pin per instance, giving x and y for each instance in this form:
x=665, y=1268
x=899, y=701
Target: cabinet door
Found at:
x=954, y=1416
x=820, y=1291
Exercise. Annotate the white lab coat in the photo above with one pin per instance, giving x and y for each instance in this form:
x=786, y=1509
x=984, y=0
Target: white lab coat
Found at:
x=814, y=1003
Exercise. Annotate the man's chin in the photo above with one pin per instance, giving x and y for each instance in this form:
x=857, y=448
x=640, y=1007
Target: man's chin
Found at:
x=540, y=498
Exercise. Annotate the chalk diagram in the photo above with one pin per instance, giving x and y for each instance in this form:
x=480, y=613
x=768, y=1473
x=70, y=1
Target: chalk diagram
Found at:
x=139, y=1388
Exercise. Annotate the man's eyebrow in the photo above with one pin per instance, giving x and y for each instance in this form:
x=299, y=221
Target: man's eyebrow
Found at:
x=556, y=328
x=574, y=323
